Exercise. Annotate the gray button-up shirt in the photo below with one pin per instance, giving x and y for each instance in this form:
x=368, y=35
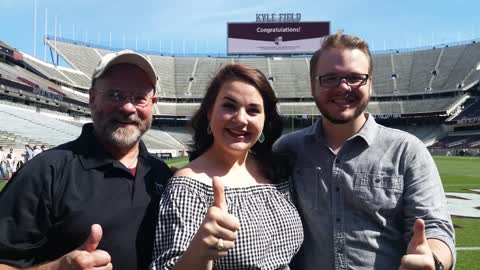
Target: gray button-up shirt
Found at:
x=359, y=206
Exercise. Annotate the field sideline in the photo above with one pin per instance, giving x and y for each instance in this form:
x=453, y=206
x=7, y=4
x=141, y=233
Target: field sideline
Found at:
x=459, y=174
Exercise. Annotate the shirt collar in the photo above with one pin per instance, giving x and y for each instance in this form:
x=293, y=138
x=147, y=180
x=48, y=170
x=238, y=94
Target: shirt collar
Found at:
x=368, y=132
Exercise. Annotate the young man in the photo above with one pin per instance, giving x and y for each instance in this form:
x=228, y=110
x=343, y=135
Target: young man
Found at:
x=370, y=196
x=92, y=202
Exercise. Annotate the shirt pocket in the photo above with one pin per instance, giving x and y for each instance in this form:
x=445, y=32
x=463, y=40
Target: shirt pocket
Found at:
x=377, y=194
x=306, y=183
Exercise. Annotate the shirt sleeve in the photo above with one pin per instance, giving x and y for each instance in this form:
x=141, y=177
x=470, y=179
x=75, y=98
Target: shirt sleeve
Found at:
x=181, y=213
x=425, y=197
x=25, y=213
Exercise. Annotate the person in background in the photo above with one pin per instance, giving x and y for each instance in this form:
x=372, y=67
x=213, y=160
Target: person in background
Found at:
x=3, y=157
x=28, y=153
x=91, y=203
x=9, y=166
x=36, y=150
x=370, y=196
x=231, y=207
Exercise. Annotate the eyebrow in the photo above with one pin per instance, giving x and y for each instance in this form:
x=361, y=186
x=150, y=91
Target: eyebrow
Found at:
x=128, y=92
x=255, y=105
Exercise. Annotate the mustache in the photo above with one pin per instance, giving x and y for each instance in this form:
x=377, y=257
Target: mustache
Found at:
x=120, y=117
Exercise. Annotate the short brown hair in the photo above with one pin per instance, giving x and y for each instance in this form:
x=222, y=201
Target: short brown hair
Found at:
x=342, y=41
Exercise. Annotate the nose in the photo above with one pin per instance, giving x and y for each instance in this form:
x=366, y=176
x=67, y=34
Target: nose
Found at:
x=127, y=105
x=241, y=117
x=343, y=85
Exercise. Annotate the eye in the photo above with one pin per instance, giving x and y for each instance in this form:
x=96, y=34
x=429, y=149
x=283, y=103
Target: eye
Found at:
x=356, y=78
x=229, y=106
x=254, y=110
x=330, y=79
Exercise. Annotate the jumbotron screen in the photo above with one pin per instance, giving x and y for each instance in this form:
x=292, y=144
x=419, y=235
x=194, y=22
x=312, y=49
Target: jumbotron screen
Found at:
x=276, y=38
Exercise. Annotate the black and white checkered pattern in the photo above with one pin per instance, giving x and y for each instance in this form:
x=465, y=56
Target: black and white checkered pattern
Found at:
x=270, y=227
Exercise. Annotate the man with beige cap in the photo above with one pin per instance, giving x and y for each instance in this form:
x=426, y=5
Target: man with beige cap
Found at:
x=91, y=203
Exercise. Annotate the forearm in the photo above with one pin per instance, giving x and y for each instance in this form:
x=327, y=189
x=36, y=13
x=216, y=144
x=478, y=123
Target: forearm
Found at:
x=190, y=261
x=7, y=267
x=442, y=251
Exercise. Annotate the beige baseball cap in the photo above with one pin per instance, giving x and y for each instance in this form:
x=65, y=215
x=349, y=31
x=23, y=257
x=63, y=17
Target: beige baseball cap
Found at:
x=125, y=57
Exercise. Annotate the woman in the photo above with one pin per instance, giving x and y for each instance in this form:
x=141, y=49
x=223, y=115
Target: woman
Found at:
x=252, y=222
x=10, y=164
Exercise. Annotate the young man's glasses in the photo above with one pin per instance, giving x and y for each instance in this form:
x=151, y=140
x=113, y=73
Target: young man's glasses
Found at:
x=139, y=99
x=354, y=80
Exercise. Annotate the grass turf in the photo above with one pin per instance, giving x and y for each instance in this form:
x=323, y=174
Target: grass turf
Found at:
x=459, y=174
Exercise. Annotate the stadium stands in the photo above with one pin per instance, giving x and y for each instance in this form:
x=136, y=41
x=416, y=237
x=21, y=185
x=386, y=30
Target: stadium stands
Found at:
x=383, y=82
x=32, y=125
x=402, y=73
x=425, y=83
x=291, y=77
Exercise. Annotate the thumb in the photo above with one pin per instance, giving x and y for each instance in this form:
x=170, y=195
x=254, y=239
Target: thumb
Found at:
x=419, y=237
x=93, y=239
x=219, y=194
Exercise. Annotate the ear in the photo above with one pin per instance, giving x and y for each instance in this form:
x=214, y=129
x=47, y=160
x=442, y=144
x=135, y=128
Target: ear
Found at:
x=154, y=99
x=209, y=115
x=370, y=80
x=312, y=87
x=91, y=97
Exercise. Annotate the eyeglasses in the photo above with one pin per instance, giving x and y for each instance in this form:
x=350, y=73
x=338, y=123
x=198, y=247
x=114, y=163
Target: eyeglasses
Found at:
x=354, y=80
x=116, y=97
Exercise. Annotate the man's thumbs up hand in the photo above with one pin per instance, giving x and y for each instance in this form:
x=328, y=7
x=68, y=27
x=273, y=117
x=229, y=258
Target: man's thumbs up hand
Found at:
x=87, y=256
x=419, y=254
x=93, y=239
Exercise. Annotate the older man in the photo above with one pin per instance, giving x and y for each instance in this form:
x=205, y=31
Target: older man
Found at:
x=92, y=202
x=370, y=196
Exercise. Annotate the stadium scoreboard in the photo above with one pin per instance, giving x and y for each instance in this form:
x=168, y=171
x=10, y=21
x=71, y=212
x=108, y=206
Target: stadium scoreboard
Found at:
x=281, y=34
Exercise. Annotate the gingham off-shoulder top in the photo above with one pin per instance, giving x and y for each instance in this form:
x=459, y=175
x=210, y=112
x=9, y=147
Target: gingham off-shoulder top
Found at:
x=270, y=227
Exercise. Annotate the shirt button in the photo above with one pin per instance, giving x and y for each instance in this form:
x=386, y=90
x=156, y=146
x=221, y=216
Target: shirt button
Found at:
x=338, y=219
x=337, y=161
x=337, y=189
x=377, y=180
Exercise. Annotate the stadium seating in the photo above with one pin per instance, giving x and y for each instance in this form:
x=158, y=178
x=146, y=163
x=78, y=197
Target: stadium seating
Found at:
x=29, y=124
x=402, y=73
x=383, y=83
x=291, y=77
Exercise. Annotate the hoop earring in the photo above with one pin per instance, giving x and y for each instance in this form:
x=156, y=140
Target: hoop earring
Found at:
x=209, y=130
x=262, y=138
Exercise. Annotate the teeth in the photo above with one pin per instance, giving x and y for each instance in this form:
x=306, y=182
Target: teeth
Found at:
x=342, y=101
x=238, y=132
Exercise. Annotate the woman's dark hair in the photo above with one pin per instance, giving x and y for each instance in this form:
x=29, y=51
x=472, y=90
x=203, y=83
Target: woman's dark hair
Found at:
x=273, y=123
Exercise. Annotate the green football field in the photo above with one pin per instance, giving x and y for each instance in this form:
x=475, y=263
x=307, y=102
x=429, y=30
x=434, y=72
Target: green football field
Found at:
x=459, y=174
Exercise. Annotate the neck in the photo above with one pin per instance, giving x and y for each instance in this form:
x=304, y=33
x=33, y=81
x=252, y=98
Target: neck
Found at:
x=337, y=134
x=225, y=159
x=128, y=155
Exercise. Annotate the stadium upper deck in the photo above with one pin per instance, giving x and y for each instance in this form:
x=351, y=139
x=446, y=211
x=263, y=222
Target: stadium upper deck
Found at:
x=396, y=73
x=427, y=81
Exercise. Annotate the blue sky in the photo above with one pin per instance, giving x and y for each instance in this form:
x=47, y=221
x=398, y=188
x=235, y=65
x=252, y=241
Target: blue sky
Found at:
x=200, y=26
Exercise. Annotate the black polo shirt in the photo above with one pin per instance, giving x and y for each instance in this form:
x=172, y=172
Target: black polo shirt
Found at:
x=47, y=208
